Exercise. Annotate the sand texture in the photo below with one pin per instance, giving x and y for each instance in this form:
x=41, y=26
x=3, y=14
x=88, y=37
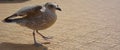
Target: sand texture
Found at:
x=82, y=25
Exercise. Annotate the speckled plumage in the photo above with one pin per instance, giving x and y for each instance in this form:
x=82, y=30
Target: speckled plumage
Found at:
x=35, y=17
x=39, y=20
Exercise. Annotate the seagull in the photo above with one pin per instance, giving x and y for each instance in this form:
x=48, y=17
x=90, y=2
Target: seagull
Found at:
x=37, y=17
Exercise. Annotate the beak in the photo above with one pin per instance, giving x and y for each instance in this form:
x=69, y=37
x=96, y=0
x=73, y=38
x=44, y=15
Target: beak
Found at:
x=59, y=9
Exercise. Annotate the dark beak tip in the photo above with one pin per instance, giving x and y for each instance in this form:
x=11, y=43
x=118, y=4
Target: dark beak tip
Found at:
x=59, y=9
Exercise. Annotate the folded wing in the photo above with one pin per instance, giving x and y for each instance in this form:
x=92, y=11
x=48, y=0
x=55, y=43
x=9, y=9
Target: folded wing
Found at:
x=24, y=12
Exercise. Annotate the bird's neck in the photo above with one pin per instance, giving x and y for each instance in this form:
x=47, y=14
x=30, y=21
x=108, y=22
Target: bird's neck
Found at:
x=50, y=10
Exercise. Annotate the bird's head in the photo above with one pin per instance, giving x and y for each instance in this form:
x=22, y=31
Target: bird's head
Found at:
x=52, y=6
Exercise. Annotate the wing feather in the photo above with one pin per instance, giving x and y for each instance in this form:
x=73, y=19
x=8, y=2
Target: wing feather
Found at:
x=28, y=10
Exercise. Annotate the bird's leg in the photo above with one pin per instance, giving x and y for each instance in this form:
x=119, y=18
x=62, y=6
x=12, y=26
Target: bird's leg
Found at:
x=35, y=42
x=34, y=38
x=44, y=37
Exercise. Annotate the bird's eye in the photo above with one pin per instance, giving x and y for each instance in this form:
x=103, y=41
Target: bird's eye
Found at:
x=52, y=6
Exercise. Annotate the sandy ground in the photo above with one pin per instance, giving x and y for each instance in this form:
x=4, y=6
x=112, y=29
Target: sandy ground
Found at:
x=82, y=25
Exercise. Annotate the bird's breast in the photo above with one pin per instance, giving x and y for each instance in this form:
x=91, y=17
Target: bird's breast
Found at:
x=41, y=22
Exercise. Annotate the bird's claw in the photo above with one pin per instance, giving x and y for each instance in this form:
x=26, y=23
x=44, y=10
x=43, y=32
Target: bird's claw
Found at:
x=46, y=38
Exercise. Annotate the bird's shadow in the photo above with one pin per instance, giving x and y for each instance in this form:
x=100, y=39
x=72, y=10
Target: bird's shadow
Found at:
x=12, y=1
x=12, y=46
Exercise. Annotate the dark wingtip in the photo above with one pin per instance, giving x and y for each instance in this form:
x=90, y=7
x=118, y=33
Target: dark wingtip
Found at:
x=6, y=20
